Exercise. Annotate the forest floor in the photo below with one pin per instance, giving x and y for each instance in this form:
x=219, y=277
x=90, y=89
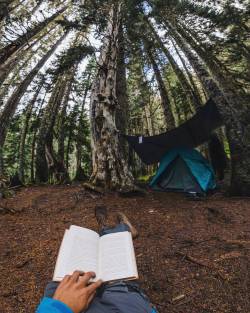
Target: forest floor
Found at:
x=193, y=256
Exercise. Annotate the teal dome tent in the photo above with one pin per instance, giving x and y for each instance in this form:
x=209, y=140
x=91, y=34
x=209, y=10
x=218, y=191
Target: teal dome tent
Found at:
x=184, y=170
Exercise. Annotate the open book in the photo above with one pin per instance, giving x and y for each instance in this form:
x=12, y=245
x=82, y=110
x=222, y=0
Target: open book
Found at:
x=111, y=257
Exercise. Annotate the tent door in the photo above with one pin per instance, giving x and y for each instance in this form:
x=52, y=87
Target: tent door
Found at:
x=178, y=177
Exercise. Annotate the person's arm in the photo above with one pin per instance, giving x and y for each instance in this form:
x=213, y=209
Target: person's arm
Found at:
x=49, y=305
x=73, y=295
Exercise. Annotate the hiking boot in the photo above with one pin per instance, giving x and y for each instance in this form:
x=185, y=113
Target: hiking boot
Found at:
x=101, y=215
x=122, y=218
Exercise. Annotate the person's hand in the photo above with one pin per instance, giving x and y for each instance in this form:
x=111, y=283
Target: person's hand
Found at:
x=76, y=292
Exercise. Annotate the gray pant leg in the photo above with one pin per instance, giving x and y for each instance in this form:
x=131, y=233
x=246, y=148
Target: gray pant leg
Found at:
x=117, y=229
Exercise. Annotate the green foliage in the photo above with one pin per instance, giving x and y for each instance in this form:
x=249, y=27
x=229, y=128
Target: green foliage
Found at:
x=72, y=56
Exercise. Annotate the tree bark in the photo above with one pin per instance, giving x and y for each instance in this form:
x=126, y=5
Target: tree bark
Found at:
x=7, y=51
x=110, y=168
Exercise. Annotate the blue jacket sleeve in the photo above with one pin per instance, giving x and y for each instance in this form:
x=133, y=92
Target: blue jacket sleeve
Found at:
x=49, y=305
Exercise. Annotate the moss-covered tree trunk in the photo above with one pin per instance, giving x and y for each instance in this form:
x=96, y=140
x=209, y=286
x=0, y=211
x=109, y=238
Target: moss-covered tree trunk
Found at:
x=110, y=168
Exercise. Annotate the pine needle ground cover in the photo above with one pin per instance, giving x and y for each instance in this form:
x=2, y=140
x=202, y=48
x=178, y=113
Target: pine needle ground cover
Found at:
x=193, y=257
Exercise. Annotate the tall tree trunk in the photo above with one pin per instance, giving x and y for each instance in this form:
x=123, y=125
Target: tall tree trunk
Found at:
x=60, y=96
x=33, y=147
x=45, y=134
x=173, y=102
x=196, y=64
x=236, y=121
x=61, y=136
x=3, y=94
x=14, y=78
x=1, y=162
x=178, y=72
x=34, y=139
x=121, y=85
x=80, y=175
x=110, y=169
x=121, y=118
x=148, y=120
x=190, y=76
x=24, y=131
x=7, y=51
x=226, y=82
x=68, y=148
x=18, y=59
x=165, y=101
x=12, y=103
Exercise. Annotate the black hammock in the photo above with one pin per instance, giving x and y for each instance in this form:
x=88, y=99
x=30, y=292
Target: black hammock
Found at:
x=190, y=134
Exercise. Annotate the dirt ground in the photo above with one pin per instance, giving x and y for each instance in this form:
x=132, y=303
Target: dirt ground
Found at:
x=193, y=256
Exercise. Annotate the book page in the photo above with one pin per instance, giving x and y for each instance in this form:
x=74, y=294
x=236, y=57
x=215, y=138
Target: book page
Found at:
x=79, y=251
x=117, y=257
x=61, y=258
